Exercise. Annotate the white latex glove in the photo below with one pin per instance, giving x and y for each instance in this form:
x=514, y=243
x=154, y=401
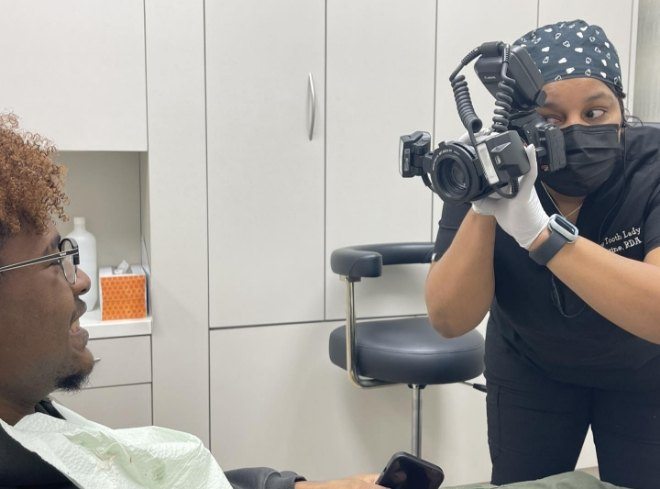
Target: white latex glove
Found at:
x=465, y=137
x=522, y=217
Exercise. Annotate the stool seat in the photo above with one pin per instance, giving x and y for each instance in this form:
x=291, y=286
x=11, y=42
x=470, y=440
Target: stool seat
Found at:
x=410, y=351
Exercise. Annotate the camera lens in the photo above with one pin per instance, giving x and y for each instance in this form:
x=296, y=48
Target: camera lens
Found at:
x=455, y=177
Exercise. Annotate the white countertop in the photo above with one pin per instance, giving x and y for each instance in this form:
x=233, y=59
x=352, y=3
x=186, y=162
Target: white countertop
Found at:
x=91, y=321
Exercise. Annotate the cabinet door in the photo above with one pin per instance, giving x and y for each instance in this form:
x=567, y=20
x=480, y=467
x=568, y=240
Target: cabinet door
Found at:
x=380, y=62
x=265, y=174
x=278, y=401
x=616, y=17
x=74, y=71
x=125, y=406
x=121, y=361
x=495, y=23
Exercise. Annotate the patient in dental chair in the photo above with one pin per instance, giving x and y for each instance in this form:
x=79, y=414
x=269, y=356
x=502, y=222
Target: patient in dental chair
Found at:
x=42, y=444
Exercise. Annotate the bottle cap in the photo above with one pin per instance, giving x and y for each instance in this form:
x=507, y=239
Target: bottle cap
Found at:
x=79, y=222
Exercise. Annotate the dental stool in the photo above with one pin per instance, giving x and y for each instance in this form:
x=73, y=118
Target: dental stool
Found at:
x=397, y=351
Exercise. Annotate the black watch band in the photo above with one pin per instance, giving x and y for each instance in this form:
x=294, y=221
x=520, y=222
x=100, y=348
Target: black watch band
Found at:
x=562, y=232
x=549, y=248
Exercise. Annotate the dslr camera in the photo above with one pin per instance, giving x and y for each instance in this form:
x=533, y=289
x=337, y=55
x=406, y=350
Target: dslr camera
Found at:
x=491, y=161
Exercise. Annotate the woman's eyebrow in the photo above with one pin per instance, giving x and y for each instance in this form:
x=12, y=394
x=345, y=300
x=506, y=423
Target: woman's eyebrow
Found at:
x=596, y=96
x=549, y=105
x=589, y=99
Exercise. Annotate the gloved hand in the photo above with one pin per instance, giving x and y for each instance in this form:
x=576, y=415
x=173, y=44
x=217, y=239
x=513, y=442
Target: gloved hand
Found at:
x=465, y=137
x=522, y=217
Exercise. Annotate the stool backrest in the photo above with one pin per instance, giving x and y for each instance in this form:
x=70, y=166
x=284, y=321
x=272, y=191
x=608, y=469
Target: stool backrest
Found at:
x=355, y=262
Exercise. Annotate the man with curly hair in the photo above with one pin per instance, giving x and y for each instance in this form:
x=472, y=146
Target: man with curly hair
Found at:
x=36, y=359
x=44, y=349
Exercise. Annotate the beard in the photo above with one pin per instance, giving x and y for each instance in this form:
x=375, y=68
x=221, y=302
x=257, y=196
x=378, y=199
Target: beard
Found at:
x=75, y=374
x=72, y=382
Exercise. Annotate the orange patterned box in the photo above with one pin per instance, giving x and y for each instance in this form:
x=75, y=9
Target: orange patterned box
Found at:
x=123, y=296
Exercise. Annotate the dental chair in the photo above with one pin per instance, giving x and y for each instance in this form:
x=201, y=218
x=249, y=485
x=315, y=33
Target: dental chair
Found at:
x=404, y=350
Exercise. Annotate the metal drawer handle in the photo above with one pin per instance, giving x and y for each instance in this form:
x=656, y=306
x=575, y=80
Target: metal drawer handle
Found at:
x=312, y=93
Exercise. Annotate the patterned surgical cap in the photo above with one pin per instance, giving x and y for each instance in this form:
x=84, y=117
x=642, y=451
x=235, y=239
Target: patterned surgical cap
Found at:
x=573, y=49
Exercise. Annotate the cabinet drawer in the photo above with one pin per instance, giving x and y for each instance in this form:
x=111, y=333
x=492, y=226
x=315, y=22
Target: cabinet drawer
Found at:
x=117, y=407
x=121, y=361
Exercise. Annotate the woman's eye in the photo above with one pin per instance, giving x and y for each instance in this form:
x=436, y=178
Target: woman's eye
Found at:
x=552, y=119
x=594, y=113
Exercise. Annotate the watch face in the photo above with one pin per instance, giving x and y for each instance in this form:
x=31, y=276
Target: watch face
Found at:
x=568, y=226
x=564, y=227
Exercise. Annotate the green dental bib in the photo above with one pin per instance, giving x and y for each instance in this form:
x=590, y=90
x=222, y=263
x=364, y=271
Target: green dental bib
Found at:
x=95, y=456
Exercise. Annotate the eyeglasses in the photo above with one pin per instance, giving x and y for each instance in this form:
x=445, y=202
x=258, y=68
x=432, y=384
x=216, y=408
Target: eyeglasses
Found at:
x=68, y=257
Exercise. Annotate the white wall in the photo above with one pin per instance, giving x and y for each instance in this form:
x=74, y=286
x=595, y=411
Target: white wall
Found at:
x=104, y=188
x=647, y=80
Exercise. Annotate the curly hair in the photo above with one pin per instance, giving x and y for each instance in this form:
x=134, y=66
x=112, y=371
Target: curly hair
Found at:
x=31, y=183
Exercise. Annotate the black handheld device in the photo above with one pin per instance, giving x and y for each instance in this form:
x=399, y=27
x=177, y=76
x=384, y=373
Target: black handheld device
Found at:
x=405, y=471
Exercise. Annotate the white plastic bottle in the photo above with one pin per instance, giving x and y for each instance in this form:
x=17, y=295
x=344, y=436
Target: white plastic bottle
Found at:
x=87, y=246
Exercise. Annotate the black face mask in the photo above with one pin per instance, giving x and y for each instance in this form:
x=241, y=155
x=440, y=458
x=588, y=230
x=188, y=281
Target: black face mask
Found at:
x=591, y=155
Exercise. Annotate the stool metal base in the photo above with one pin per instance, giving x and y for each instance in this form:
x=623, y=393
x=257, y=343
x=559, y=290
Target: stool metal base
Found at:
x=416, y=430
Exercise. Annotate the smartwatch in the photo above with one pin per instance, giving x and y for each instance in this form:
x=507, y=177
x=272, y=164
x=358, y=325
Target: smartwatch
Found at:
x=562, y=231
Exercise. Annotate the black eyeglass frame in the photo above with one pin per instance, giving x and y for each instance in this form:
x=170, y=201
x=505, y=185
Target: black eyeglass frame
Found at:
x=60, y=255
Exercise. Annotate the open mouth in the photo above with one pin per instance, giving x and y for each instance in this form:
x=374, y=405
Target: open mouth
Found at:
x=78, y=336
x=75, y=327
x=76, y=330
x=80, y=310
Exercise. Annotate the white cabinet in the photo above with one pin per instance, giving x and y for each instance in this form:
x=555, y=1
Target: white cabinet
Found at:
x=74, y=71
x=277, y=401
x=117, y=407
x=121, y=361
x=296, y=408
x=178, y=220
x=265, y=174
x=380, y=63
x=119, y=390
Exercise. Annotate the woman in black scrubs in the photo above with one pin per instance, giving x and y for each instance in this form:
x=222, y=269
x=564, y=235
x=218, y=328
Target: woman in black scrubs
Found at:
x=574, y=328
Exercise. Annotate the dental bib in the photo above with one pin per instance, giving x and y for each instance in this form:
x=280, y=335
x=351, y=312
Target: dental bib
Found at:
x=95, y=456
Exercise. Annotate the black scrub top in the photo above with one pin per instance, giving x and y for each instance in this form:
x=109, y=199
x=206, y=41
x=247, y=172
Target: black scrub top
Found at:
x=577, y=344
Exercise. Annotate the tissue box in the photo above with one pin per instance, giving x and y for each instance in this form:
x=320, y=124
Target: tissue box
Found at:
x=123, y=296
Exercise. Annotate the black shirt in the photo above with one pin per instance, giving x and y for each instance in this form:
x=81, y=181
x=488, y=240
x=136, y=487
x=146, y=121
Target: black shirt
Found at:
x=624, y=217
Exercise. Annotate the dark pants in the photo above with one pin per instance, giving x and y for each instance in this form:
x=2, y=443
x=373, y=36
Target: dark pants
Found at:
x=537, y=426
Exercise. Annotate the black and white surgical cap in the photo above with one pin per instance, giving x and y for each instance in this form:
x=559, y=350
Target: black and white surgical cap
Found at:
x=573, y=49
